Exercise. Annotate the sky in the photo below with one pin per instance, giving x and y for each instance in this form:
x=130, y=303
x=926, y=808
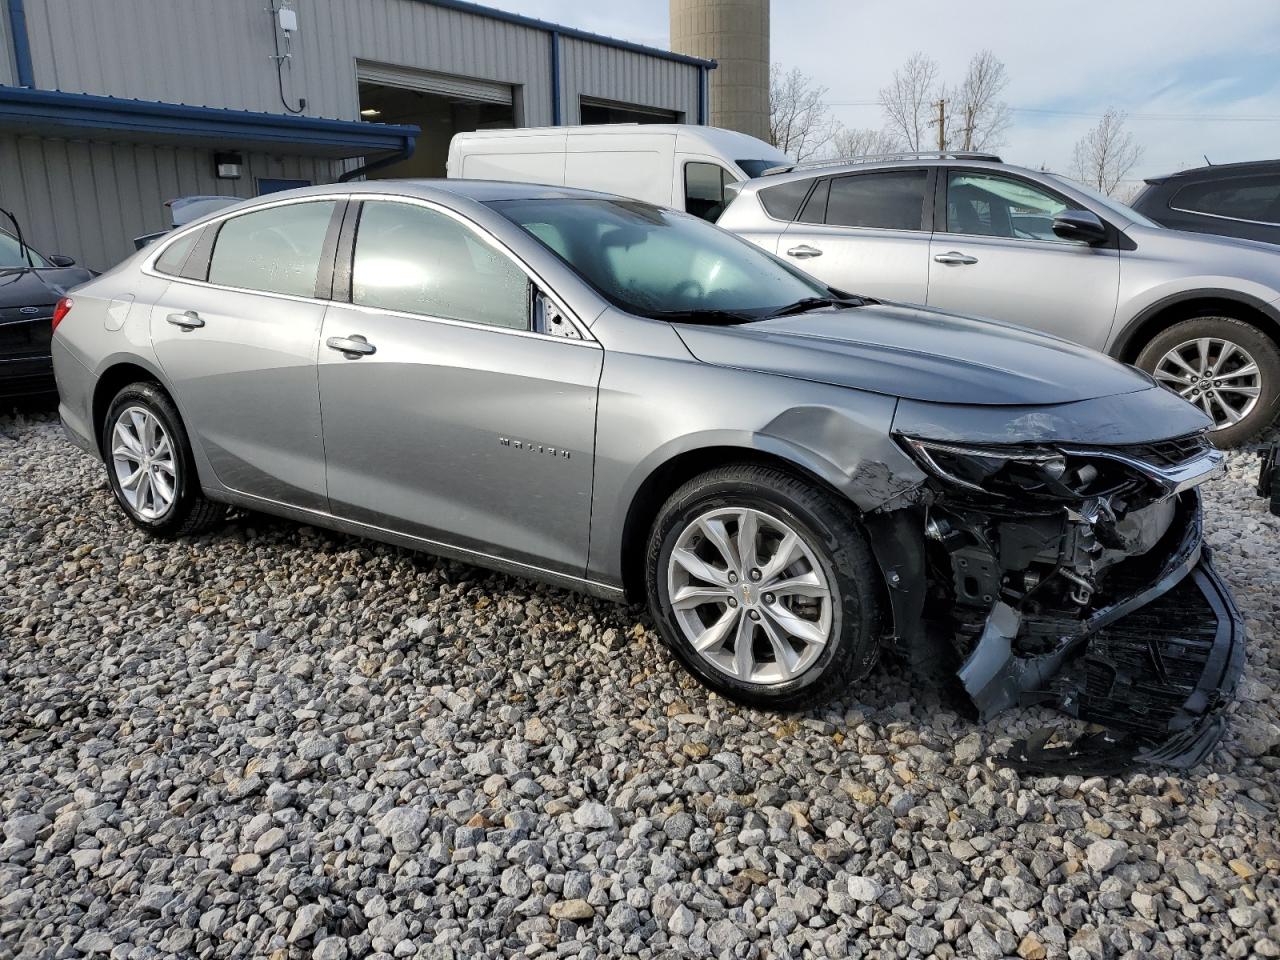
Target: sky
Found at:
x=1194, y=78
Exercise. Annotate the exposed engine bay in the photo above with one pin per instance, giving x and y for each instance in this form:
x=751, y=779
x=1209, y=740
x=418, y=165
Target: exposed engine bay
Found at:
x=1076, y=578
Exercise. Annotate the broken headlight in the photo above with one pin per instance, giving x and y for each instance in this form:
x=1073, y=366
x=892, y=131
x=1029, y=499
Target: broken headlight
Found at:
x=1022, y=472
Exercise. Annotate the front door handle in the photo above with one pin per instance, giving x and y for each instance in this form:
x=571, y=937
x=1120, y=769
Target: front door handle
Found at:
x=187, y=321
x=955, y=257
x=352, y=347
x=804, y=252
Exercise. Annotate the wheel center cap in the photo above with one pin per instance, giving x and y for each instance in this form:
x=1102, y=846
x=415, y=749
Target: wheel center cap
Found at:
x=746, y=594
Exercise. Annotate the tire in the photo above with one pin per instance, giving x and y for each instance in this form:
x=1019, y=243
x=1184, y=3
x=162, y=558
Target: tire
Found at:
x=187, y=511
x=1246, y=339
x=833, y=553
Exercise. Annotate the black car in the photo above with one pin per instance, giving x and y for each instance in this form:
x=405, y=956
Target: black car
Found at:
x=1230, y=199
x=31, y=285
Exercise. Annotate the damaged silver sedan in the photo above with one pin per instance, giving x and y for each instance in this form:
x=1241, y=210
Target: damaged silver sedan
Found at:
x=627, y=401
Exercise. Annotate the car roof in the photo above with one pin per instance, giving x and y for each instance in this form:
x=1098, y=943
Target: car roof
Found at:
x=1220, y=169
x=441, y=190
x=837, y=168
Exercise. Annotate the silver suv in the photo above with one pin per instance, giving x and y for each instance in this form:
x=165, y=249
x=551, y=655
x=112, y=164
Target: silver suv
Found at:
x=969, y=234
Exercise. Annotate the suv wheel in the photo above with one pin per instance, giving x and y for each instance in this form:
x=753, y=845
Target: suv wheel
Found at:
x=764, y=587
x=1228, y=368
x=150, y=466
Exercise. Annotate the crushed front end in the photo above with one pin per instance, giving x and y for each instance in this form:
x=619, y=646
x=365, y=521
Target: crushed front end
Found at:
x=1076, y=576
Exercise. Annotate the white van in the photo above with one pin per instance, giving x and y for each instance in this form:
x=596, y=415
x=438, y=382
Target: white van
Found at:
x=675, y=165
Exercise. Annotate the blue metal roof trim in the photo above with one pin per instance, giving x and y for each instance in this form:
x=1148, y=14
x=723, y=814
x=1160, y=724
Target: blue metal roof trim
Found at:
x=479, y=10
x=83, y=111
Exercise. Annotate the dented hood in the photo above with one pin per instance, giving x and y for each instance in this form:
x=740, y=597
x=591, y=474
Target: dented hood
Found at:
x=918, y=354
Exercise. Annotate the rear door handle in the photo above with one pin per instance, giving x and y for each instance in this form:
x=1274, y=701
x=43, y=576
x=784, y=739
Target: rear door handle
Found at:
x=804, y=252
x=955, y=257
x=351, y=347
x=187, y=321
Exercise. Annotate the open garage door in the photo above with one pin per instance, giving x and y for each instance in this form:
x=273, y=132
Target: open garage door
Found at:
x=441, y=104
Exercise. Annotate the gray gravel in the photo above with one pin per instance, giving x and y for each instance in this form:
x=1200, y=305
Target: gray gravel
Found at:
x=275, y=741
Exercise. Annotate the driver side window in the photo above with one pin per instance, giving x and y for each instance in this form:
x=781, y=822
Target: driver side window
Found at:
x=984, y=205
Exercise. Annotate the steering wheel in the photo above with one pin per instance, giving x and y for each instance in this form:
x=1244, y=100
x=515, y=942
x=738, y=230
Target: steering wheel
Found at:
x=693, y=286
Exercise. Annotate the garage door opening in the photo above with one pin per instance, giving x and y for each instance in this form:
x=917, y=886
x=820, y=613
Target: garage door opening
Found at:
x=606, y=111
x=441, y=106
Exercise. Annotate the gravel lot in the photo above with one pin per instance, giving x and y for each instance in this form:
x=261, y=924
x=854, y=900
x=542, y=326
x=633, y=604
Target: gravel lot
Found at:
x=276, y=741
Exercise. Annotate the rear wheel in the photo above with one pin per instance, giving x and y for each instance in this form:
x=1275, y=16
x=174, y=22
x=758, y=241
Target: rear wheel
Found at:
x=150, y=466
x=1228, y=368
x=764, y=587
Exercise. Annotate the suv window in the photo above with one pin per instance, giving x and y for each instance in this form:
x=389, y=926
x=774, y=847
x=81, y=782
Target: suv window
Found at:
x=704, y=185
x=276, y=250
x=417, y=260
x=888, y=200
x=1240, y=198
x=985, y=205
x=783, y=201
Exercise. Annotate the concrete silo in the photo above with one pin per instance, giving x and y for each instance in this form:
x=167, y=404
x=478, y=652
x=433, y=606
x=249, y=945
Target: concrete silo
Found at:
x=735, y=33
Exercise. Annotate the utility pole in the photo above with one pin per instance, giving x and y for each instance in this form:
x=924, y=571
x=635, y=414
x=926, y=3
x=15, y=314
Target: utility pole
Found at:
x=942, y=124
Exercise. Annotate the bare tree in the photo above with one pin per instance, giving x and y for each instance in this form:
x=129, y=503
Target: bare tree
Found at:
x=908, y=101
x=981, y=117
x=863, y=142
x=1105, y=155
x=800, y=122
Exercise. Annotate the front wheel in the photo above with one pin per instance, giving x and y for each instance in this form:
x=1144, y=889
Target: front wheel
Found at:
x=764, y=587
x=1228, y=368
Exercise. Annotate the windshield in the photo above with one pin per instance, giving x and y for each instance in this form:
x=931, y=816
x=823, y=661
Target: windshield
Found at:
x=660, y=263
x=754, y=168
x=1111, y=203
x=12, y=255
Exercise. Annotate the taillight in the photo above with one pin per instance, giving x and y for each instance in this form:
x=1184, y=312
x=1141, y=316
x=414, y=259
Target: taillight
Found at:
x=61, y=310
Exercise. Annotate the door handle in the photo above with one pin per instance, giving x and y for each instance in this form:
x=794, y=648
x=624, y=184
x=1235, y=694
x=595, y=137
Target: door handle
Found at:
x=187, y=321
x=955, y=257
x=804, y=252
x=352, y=347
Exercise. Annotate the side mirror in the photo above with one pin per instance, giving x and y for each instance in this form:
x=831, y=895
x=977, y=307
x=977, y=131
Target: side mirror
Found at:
x=58, y=260
x=1082, y=225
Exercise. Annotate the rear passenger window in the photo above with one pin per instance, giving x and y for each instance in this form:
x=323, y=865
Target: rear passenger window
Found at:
x=783, y=201
x=414, y=259
x=1240, y=198
x=175, y=255
x=276, y=250
x=892, y=200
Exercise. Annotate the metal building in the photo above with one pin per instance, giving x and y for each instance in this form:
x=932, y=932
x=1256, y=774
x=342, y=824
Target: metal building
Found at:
x=734, y=33
x=108, y=108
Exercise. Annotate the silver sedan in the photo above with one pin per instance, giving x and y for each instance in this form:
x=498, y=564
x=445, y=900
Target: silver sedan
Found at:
x=627, y=401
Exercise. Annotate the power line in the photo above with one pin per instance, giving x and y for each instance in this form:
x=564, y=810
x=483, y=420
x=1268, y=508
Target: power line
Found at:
x=1214, y=117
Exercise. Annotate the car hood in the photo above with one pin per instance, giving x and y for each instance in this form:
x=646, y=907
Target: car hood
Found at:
x=918, y=354
x=38, y=288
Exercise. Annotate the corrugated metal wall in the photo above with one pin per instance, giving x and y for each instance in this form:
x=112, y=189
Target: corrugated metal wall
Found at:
x=607, y=73
x=89, y=200
x=8, y=74
x=218, y=54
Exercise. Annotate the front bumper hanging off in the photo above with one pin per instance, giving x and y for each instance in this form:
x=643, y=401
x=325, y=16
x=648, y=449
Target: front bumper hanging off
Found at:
x=1154, y=667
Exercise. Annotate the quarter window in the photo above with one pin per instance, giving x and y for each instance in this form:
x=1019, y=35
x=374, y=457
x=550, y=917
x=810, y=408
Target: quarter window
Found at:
x=704, y=187
x=979, y=204
x=783, y=201
x=417, y=260
x=175, y=255
x=276, y=250
x=893, y=200
x=1240, y=198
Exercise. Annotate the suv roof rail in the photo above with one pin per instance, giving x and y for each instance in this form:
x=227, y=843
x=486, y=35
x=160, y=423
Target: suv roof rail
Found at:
x=880, y=157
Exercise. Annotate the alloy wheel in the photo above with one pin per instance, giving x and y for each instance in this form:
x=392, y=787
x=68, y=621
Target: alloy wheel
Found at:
x=144, y=461
x=749, y=595
x=1219, y=376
